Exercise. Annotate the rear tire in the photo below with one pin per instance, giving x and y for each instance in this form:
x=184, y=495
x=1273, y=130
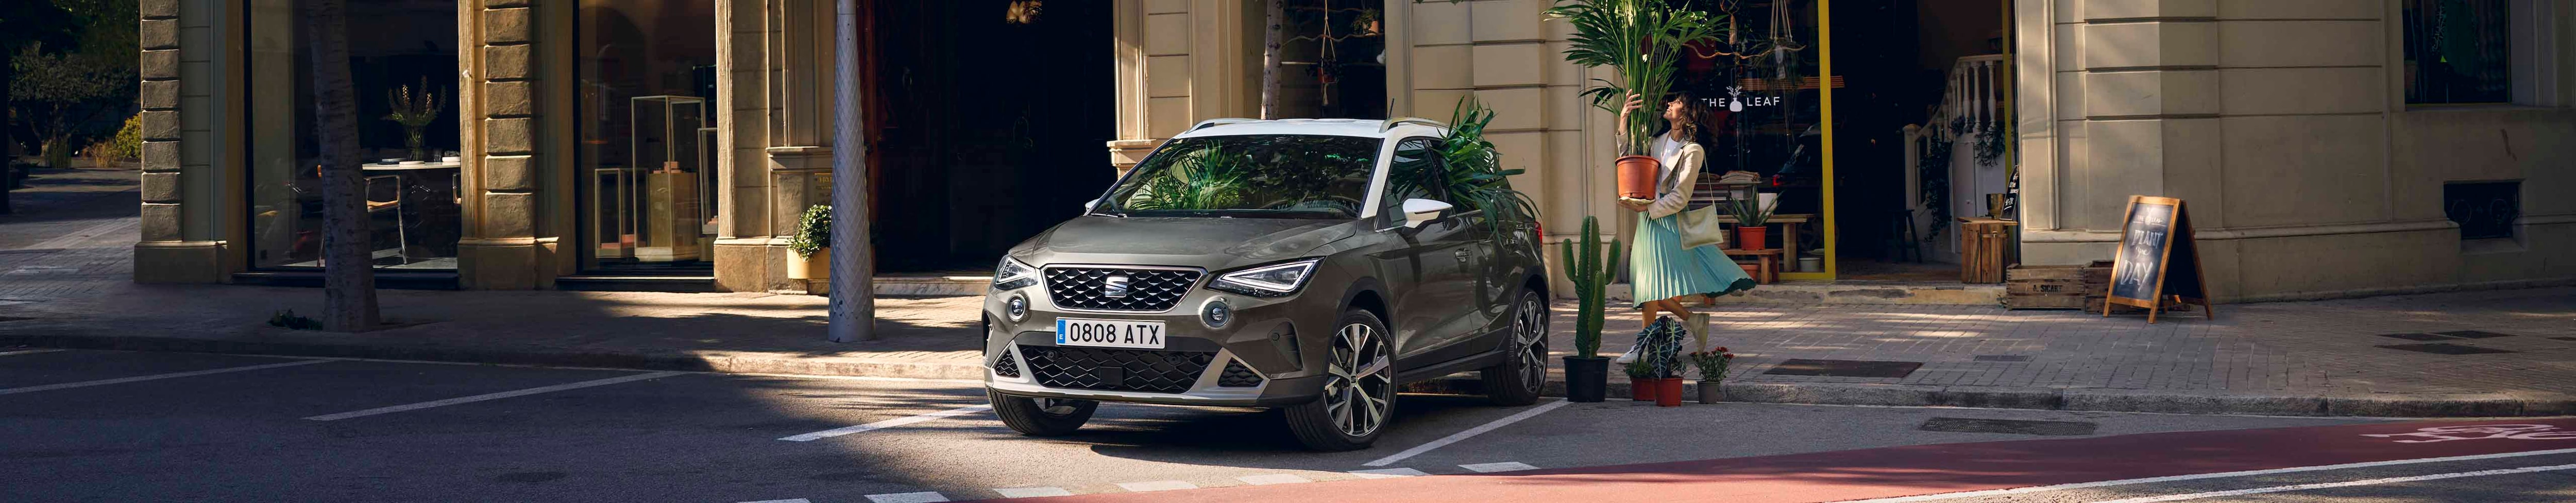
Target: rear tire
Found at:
x=1359, y=388
x=1522, y=375
x=1041, y=417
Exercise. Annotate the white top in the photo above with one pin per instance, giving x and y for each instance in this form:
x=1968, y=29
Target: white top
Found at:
x=1674, y=155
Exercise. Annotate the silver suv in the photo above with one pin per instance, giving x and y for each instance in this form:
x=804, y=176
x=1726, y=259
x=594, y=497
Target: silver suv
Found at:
x=1310, y=265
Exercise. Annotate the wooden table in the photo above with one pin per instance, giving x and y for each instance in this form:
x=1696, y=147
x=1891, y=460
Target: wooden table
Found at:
x=1788, y=223
x=1769, y=270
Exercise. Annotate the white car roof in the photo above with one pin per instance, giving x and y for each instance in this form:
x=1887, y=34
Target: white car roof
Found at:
x=1367, y=128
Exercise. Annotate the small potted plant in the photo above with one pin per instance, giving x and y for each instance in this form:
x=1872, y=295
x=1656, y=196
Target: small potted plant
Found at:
x=1752, y=222
x=812, y=244
x=1641, y=380
x=414, y=112
x=1587, y=376
x=1659, y=349
x=1712, y=369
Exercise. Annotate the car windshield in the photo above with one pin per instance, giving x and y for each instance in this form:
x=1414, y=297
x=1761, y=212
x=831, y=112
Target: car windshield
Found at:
x=1258, y=176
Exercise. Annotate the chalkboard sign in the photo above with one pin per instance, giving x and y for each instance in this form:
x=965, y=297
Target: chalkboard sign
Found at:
x=2156, y=237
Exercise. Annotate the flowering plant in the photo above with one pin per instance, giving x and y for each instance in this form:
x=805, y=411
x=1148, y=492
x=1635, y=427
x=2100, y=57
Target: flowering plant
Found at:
x=1712, y=363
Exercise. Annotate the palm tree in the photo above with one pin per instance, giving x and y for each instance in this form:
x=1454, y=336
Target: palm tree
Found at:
x=349, y=279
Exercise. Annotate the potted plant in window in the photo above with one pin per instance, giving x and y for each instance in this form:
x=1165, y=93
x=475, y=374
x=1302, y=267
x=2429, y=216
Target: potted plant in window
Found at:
x=1752, y=221
x=414, y=113
x=812, y=244
x=1642, y=41
x=1587, y=372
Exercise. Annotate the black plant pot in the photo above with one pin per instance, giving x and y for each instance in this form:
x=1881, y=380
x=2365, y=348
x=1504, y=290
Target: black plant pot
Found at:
x=1586, y=378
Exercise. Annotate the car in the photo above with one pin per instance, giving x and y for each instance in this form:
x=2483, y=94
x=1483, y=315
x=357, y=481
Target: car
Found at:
x=1306, y=265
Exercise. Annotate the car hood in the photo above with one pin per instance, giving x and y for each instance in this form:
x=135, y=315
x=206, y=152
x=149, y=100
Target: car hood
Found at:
x=1211, y=243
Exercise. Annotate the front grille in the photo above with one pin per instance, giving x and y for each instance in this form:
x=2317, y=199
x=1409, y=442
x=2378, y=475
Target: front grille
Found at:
x=1006, y=367
x=1238, y=376
x=1148, y=290
x=1116, y=369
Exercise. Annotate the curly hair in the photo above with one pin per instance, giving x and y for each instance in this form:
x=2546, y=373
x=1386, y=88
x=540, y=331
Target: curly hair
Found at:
x=1695, y=115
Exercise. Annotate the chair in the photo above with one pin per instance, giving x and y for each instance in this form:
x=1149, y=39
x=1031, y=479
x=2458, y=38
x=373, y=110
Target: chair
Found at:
x=391, y=184
x=1902, y=243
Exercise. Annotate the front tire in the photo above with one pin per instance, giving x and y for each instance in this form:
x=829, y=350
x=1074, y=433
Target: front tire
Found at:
x=1359, y=388
x=1041, y=417
x=1522, y=375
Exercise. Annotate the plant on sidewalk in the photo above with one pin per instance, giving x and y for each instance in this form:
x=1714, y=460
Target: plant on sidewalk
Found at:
x=1591, y=270
x=1712, y=364
x=1642, y=42
x=1659, y=346
x=813, y=231
x=286, y=318
x=125, y=145
x=1639, y=370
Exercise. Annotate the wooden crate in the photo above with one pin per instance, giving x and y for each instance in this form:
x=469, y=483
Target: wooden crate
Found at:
x=2057, y=287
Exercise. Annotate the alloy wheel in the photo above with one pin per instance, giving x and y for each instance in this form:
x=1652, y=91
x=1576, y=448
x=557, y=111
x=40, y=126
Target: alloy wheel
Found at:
x=1530, y=325
x=1359, y=381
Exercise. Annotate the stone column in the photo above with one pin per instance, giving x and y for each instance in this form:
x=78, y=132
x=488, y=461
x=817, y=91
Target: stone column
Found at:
x=184, y=225
x=501, y=248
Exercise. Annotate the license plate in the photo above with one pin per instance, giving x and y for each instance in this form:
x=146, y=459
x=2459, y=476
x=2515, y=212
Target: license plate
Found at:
x=1109, y=333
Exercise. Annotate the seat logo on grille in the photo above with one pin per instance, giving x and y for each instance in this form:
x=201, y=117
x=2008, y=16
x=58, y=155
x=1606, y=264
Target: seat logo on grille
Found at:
x=1114, y=286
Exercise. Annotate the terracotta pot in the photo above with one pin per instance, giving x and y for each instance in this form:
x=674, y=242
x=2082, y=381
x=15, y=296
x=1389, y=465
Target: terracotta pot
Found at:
x=1641, y=390
x=1668, y=392
x=818, y=266
x=1637, y=176
x=1709, y=392
x=1749, y=237
x=1751, y=270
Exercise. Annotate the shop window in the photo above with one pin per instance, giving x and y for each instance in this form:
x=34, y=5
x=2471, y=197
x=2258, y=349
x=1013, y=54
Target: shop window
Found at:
x=2484, y=210
x=402, y=62
x=2459, y=51
x=645, y=113
x=1332, y=59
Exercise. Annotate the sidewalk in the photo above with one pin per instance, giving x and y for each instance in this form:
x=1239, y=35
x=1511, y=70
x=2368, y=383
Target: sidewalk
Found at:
x=2302, y=358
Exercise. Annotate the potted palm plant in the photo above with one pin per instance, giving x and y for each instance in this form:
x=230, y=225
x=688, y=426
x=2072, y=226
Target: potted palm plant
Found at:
x=812, y=244
x=1642, y=41
x=1752, y=222
x=1587, y=375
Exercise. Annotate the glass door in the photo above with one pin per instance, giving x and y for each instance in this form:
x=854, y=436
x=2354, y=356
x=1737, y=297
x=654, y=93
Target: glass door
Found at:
x=647, y=132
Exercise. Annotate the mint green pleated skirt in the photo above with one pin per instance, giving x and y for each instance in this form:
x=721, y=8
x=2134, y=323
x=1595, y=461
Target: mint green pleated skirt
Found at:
x=1662, y=269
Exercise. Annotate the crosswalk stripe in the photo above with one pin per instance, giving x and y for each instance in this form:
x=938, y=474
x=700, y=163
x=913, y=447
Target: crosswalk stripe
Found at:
x=492, y=396
x=879, y=425
x=27, y=352
x=1506, y=466
x=1031, y=492
x=919, y=497
x=1275, y=478
x=123, y=380
x=1388, y=473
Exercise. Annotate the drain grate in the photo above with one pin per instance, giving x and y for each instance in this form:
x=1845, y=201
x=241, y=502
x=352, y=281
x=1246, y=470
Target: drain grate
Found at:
x=2012, y=426
x=2003, y=358
x=1844, y=368
x=2420, y=337
x=2473, y=334
x=2441, y=348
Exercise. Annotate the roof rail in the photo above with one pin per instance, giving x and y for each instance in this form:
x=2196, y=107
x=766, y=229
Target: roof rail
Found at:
x=1220, y=121
x=1392, y=123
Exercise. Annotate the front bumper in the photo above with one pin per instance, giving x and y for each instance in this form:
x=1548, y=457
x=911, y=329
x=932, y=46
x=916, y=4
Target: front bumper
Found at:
x=1264, y=337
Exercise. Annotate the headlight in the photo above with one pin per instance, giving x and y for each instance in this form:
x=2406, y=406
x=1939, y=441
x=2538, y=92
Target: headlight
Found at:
x=1276, y=280
x=1013, y=275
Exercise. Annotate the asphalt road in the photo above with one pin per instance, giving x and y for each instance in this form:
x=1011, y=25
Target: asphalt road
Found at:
x=121, y=426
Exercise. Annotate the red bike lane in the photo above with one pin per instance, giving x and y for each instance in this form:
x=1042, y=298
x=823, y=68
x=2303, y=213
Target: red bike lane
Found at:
x=1926, y=469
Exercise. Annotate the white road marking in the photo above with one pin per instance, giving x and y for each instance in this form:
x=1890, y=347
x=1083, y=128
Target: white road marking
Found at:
x=890, y=423
x=2326, y=485
x=1463, y=435
x=27, y=351
x=797, y=500
x=919, y=497
x=1388, y=473
x=1275, y=478
x=1159, y=485
x=123, y=380
x=1031, y=492
x=1506, y=466
x=2178, y=478
x=492, y=396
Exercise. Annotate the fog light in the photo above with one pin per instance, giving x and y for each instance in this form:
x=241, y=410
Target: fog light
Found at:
x=1018, y=307
x=1216, y=314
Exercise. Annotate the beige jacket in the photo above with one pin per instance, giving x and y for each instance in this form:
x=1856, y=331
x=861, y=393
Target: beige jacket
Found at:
x=1675, y=197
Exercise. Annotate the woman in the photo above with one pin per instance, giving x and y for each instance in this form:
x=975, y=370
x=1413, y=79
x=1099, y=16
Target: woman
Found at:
x=1663, y=272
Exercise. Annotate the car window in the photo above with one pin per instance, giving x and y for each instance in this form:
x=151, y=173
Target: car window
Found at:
x=1263, y=176
x=1413, y=173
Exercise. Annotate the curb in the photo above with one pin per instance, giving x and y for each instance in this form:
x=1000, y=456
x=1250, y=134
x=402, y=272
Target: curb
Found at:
x=2509, y=404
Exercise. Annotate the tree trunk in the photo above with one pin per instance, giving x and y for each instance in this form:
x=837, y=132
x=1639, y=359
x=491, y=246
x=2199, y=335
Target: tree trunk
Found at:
x=349, y=279
x=8, y=153
x=853, y=312
x=1270, y=57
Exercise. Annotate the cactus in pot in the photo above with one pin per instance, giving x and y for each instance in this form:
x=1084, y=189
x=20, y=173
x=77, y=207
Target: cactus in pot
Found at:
x=1591, y=269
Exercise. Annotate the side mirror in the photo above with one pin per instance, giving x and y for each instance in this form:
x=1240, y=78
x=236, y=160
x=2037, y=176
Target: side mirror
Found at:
x=1417, y=211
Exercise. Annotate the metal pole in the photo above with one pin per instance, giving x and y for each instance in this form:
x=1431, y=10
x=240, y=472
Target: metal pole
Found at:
x=853, y=305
